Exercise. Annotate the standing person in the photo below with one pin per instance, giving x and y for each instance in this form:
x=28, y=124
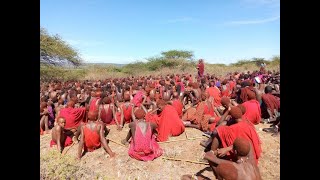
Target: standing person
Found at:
x=200, y=68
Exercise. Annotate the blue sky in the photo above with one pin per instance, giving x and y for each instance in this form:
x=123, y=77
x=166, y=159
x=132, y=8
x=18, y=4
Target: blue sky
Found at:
x=119, y=31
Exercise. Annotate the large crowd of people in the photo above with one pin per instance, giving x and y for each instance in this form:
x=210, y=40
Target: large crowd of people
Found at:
x=225, y=108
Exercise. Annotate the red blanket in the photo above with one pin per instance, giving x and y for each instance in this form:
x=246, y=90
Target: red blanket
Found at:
x=271, y=102
x=215, y=93
x=144, y=147
x=67, y=142
x=73, y=116
x=178, y=106
x=91, y=139
x=242, y=129
x=253, y=111
x=127, y=113
x=169, y=123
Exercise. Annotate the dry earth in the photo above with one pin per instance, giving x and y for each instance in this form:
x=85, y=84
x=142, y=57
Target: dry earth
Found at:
x=97, y=164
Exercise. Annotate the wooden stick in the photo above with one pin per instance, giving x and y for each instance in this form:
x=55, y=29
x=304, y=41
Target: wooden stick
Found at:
x=186, y=134
x=206, y=135
x=180, y=140
x=196, y=162
x=116, y=142
x=65, y=151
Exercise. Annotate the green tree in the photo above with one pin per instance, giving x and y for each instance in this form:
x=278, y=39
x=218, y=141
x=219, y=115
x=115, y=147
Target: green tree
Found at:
x=259, y=61
x=176, y=54
x=54, y=51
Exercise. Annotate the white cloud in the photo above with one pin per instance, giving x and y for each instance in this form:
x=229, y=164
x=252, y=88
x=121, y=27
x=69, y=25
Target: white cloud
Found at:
x=260, y=21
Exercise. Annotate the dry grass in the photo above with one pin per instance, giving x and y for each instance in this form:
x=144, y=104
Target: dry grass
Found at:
x=97, y=164
x=93, y=74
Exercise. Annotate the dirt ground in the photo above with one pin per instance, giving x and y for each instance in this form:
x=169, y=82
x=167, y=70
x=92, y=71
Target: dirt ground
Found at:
x=98, y=165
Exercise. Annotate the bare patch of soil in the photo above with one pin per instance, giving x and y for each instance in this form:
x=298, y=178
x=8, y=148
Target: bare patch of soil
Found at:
x=98, y=165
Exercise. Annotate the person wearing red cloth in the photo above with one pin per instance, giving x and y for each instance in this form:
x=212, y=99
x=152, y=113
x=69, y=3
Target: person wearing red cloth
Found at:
x=74, y=117
x=92, y=136
x=200, y=68
x=58, y=135
x=270, y=106
x=224, y=136
x=215, y=93
x=143, y=144
x=177, y=104
x=243, y=167
x=126, y=109
x=167, y=120
x=252, y=106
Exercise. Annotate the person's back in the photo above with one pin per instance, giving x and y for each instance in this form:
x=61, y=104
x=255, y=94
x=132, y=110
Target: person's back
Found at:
x=244, y=168
x=91, y=136
x=176, y=103
x=270, y=103
x=215, y=93
x=169, y=122
x=73, y=116
x=242, y=128
x=143, y=145
x=127, y=108
x=106, y=111
x=253, y=111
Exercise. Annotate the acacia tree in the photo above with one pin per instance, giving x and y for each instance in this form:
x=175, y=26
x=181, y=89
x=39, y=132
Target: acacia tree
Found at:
x=176, y=54
x=55, y=51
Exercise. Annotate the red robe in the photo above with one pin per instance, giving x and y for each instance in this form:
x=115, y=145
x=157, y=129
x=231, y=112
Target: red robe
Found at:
x=226, y=92
x=271, y=102
x=232, y=84
x=67, y=142
x=168, y=121
x=91, y=139
x=215, y=93
x=73, y=116
x=253, y=111
x=144, y=147
x=201, y=69
x=152, y=118
x=178, y=106
x=244, y=129
x=126, y=113
x=138, y=99
x=93, y=104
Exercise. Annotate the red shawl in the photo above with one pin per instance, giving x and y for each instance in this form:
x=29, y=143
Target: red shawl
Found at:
x=169, y=123
x=253, y=111
x=178, y=106
x=244, y=129
x=271, y=102
x=73, y=116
